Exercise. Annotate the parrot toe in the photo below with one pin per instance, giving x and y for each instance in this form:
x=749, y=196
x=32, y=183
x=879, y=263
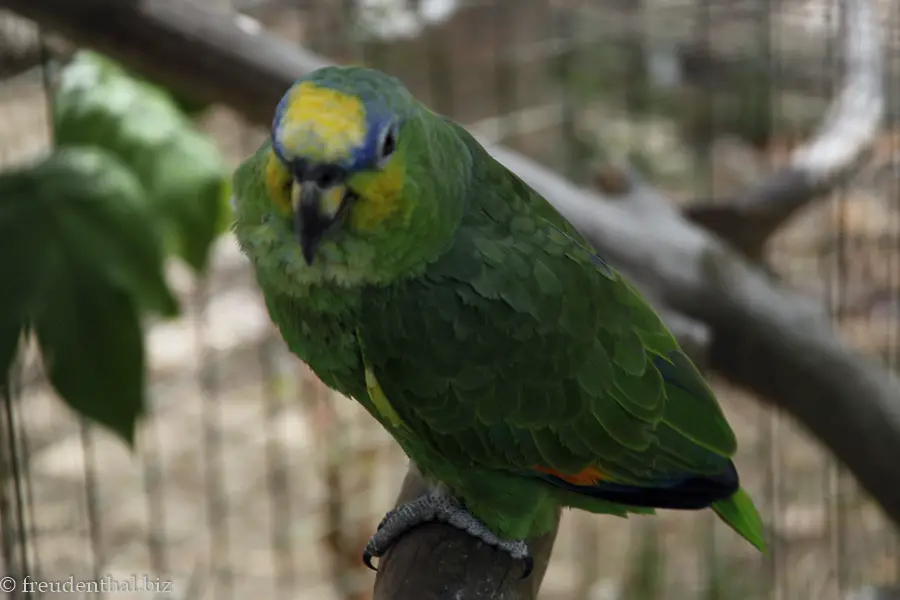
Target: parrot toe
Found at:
x=441, y=507
x=367, y=559
x=529, y=567
x=395, y=523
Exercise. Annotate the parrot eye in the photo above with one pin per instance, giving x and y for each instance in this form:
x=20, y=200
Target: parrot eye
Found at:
x=388, y=145
x=387, y=148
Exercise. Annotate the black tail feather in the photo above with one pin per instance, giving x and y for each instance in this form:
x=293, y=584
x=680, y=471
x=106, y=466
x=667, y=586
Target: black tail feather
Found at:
x=688, y=493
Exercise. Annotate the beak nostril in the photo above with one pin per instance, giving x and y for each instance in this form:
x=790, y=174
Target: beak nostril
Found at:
x=327, y=176
x=325, y=180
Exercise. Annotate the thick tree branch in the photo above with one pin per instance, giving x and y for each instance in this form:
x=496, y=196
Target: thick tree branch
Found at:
x=210, y=55
x=794, y=357
x=827, y=161
x=20, y=47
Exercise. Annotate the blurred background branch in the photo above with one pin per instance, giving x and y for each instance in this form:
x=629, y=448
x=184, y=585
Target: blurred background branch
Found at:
x=824, y=163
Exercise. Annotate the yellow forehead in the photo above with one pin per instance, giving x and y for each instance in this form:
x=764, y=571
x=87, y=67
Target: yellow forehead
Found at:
x=322, y=124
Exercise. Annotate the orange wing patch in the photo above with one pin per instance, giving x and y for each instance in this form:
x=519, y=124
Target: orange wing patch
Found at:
x=587, y=476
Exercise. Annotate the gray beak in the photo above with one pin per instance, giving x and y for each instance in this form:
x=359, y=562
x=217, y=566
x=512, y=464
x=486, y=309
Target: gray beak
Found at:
x=316, y=211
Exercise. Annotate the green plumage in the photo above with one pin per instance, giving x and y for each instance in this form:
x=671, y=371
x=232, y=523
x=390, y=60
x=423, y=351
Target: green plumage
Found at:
x=497, y=336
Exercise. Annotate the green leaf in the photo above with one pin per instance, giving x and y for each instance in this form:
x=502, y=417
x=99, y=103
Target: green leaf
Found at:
x=20, y=278
x=98, y=103
x=91, y=341
x=83, y=254
x=189, y=104
x=21, y=265
x=10, y=334
x=179, y=174
x=81, y=206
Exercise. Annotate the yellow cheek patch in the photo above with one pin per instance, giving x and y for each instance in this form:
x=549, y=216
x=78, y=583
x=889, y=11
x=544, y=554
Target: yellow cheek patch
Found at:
x=380, y=195
x=324, y=125
x=278, y=181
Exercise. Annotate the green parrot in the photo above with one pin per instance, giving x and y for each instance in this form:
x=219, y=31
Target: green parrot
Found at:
x=520, y=372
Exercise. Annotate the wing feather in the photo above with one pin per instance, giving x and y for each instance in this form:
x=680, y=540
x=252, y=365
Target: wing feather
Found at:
x=523, y=348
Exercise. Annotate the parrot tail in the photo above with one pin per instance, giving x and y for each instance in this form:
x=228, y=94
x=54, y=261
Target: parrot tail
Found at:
x=693, y=492
x=739, y=513
x=721, y=492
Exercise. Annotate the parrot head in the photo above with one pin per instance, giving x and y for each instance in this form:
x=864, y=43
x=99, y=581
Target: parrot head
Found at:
x=357, y=178
x=328, y=129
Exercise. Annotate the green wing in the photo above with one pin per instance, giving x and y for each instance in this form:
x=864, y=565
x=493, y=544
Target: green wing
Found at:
x=520, y=348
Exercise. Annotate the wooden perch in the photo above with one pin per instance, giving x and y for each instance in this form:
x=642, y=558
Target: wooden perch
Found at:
x=436, y=561
x=818, y=167
x=763, y=336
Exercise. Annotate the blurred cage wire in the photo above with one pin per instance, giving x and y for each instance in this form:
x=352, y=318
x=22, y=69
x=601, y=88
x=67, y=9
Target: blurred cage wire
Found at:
x=253, y=479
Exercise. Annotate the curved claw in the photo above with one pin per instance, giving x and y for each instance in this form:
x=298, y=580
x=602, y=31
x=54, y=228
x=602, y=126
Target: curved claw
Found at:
x=529, y=567
x=367, y=560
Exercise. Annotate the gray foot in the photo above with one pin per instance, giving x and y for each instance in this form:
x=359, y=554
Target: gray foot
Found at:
x=439, y=506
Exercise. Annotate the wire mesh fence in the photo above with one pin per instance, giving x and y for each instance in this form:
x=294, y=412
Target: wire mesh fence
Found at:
x=252, y=479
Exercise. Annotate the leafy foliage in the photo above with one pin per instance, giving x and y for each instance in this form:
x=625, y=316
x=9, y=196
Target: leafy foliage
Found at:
x=99, y=104
x=86, y=232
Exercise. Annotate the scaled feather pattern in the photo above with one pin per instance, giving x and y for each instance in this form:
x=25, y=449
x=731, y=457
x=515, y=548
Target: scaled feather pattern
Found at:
x=509, y=361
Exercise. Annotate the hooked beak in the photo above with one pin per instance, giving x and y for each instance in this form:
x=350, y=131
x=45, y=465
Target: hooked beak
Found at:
x=317, y=211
